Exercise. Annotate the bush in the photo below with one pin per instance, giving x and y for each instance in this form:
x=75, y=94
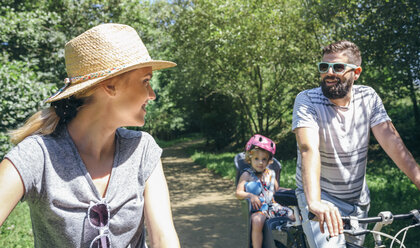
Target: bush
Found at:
x=21, y=95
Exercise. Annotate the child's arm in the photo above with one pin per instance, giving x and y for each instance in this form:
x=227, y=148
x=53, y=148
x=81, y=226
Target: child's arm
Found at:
x=241, y=194
x=276, y=186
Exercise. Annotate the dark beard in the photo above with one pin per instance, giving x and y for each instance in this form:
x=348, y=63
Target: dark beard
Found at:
x=337, y=91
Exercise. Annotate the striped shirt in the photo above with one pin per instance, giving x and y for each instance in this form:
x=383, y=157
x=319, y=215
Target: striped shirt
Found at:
x=343, y=139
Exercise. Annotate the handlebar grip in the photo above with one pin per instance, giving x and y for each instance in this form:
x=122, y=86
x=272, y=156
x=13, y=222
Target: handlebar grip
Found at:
x=311, y=216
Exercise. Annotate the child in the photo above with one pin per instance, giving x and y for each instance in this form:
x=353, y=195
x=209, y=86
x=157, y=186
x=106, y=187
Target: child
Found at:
x=259, y=184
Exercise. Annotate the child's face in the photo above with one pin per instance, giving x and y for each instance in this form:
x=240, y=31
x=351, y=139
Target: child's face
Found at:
x=259, y=160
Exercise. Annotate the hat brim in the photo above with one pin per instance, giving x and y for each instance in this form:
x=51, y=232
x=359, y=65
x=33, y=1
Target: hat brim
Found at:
x=72, y=89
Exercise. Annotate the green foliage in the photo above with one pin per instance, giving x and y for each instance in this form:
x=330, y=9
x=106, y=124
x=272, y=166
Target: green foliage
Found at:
x=258, y=55
x=219, y=119
x=21, y=95
x=389, y=40
x=391, y=190
x=387, y=34
x=165, y=118
x=32, y=36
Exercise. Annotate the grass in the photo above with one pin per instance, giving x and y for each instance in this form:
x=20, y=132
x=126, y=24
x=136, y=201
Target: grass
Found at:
x=16, y=231
x=219, y=163
x=167, y=143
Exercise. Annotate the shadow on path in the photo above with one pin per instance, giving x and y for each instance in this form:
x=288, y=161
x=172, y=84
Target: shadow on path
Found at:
x=205, y=210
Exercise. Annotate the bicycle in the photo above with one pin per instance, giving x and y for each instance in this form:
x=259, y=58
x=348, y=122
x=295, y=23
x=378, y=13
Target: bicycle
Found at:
x=384, y=218
x=295, y=237
x=351, y=225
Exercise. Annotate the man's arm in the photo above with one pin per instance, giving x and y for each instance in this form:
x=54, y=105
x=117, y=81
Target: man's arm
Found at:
x=308, y=142
x=389, y=139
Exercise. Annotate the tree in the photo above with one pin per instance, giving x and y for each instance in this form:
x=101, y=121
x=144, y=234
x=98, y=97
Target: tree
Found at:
x=32, y=39
x=387, y=34
x=258, y=53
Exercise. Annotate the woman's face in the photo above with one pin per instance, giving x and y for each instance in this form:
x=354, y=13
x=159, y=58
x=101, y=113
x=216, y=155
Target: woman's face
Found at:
x=133, y=94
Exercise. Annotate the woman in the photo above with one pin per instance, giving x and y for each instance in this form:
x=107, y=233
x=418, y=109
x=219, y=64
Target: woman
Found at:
x=88, y=182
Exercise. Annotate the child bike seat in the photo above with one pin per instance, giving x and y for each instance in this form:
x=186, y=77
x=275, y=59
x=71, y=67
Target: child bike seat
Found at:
x=286, y=197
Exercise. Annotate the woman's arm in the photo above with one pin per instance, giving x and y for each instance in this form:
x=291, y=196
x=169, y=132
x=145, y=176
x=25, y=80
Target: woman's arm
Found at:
x=11, y=189
x=157, y=209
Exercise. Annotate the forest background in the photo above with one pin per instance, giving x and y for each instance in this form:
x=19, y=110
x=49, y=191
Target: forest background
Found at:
x=241, y=64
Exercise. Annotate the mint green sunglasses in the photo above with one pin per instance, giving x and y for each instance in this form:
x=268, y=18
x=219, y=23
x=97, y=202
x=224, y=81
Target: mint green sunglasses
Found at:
x=338, y=68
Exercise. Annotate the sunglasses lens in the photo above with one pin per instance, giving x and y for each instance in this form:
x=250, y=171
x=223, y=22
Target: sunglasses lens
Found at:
x=339, y=67
x=323, y=67
x=101, y=242
x=98, y=215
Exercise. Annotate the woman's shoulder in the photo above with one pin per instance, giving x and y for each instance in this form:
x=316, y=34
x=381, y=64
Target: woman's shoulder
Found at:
x=34, y=140
x=133, y=139
x=29, y=145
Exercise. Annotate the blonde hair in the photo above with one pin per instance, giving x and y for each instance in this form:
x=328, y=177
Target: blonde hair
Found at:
x=45, y=121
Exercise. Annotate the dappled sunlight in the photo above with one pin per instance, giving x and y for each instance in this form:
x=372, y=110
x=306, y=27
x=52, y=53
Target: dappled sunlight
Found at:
x=205, y=210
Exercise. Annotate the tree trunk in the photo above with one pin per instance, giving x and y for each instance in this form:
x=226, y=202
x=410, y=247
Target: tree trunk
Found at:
x=413, y=98
x=414, y=101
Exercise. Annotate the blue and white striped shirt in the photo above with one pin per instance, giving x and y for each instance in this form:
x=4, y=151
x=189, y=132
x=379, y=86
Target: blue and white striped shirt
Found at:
x=343, y=139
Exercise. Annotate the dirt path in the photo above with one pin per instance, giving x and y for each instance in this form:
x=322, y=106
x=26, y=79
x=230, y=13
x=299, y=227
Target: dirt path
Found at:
x=205, y=210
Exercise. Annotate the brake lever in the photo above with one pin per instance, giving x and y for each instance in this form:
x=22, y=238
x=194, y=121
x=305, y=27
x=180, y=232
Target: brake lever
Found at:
x=416, y=215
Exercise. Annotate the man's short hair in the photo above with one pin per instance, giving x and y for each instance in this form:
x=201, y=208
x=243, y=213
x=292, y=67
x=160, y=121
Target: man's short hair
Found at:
x=350, y=49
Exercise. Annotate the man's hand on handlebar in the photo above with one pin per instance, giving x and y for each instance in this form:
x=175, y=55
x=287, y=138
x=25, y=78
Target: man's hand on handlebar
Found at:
x=327, y=213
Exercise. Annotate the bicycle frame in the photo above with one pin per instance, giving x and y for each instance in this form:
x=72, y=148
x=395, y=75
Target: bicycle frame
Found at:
x=294, y=229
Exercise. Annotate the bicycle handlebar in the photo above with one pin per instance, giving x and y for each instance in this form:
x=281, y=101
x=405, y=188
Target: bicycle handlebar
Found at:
x=351, y=225
x=346, y=219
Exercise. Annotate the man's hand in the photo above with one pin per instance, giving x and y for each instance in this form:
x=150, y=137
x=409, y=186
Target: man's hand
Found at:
x=327, y=213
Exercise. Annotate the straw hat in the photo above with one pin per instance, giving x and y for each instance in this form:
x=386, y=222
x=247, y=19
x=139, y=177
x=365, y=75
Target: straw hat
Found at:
x=103, y=52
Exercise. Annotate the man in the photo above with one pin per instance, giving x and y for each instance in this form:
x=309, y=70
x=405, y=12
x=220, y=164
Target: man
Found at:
x=332, y=124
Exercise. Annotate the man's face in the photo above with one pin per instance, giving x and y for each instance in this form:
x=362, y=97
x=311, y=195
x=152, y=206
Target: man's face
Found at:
x=335, y=85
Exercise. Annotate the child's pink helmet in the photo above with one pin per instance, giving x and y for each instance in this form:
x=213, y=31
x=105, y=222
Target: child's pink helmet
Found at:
x=262, y=142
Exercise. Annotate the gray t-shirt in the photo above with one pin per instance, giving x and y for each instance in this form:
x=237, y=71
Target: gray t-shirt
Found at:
x=343, y=139
x=59, y=190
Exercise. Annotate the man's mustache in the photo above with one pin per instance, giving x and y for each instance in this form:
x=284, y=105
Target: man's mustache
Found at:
x=332, y=78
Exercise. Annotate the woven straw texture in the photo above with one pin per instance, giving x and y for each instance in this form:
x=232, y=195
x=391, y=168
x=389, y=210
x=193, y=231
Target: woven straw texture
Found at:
x=103, y=52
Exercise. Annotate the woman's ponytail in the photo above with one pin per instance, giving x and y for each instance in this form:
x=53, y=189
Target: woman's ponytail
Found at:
x=45, y=122
x=42, y=122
